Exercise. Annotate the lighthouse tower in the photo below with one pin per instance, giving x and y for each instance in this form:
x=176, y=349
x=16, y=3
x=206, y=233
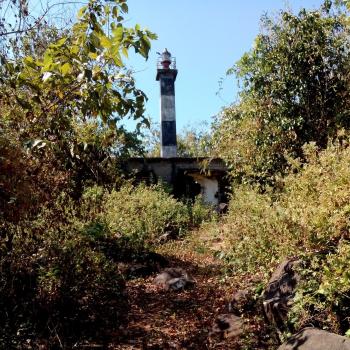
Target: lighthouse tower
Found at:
x=166, y=75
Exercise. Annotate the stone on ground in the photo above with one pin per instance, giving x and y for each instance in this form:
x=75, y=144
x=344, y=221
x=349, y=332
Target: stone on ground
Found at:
x=316, y=339
x=279, y=293
x=174, y=279
x=227, y=326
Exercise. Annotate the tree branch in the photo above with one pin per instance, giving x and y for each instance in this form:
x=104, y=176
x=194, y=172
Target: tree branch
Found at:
x=40, y=19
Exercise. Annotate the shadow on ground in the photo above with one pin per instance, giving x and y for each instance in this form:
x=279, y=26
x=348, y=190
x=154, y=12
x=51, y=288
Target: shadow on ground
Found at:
x=161, y=319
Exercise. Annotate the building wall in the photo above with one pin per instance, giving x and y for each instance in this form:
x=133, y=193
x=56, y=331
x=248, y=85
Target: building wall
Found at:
x=184, y=175
x=209, y=188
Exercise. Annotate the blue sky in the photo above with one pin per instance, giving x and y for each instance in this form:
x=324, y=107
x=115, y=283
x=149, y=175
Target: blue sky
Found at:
x=207, y=37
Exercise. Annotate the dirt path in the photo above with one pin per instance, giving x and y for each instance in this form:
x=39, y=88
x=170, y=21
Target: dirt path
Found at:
x=161, y=319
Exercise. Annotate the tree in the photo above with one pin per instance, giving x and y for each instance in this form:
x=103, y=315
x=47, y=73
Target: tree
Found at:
x=76, y=84
x=63, y=95
x=191, y=141
x=294, y=90
x=194, y=141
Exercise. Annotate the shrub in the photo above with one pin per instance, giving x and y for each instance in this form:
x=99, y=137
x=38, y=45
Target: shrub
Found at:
x=57, y=284
x=308, y=218
x=250, y=231
x=309, y=214
x=144, y=213
x=200, y=211
x=322, y=297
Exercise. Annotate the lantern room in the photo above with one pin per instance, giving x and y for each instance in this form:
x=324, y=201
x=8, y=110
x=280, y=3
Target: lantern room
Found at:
x=166, y=61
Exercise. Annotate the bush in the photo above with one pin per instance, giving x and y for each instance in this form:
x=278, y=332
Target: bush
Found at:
x=322, y=297
x=25, y=181
x=309, y=214
x=308, y=218
x=200, y=211
x=57, y=284
x=250, y=231
x=143, y=213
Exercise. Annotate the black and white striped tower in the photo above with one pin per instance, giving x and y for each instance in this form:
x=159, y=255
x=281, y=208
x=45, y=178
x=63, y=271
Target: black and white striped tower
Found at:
x=166, y=75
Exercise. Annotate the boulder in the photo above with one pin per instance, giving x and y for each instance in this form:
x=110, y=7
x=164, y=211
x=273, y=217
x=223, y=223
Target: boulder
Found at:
x=279, y=293
x=227, y=326
x=174, y=279
x=316, y=339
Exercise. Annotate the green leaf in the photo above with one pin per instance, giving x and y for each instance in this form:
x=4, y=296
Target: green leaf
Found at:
x=58, y=43
x=29, y=61
x=125, y=8
x=107, y=10
x=47, y=61
x=118, y=34
x=93, y=55
x=66, y=68
x=105, y=42
x=125, y=52
x=74, y=49
x=117, y=59
x=115, y=11
x=81, y=12
x=95, y=40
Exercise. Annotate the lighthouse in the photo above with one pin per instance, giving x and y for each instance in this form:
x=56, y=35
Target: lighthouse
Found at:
x=166, y=75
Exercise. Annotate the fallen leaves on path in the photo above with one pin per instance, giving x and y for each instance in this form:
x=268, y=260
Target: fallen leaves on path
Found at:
x=161, y=319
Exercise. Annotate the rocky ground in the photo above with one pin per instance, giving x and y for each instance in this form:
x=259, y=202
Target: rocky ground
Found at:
x=196, y=317
x=190, y=303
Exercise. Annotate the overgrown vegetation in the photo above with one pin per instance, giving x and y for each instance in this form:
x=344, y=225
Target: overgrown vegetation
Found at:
x=286, y=144
x=308, y=219
x=59, y=278
x=145, y=214
x=69, y=217
x=294, y=89
x=57, y=284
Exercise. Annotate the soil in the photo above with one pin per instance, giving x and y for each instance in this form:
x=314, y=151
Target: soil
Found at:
x=161, y=319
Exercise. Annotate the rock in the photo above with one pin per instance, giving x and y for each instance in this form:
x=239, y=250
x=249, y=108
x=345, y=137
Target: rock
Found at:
x=142, y=265
x=316, y=339
x=227, y=326
x=222, y=208
x=279, y=293
x=177, y=283
x=240, y=301
x=174, y=279
x=165, y=237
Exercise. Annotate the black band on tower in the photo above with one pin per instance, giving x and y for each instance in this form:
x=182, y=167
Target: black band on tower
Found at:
x=167, y=86
x=168, y=133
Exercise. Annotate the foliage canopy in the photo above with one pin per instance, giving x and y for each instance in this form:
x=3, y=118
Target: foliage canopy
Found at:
x=294, y=90
x=63, y=98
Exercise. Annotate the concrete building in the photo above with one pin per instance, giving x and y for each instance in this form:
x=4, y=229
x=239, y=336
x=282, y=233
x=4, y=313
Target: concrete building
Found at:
x=188, y=177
